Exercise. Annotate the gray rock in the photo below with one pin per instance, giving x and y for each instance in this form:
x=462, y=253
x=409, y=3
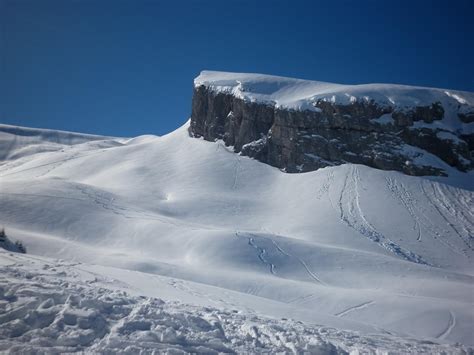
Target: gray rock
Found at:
x=365, y=132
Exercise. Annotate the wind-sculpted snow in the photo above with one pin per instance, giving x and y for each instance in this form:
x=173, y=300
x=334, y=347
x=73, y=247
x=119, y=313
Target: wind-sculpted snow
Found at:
x=373, y=256
x=52, y=306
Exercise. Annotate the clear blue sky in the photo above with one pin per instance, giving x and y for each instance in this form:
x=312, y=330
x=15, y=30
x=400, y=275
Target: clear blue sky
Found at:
x=126, y=67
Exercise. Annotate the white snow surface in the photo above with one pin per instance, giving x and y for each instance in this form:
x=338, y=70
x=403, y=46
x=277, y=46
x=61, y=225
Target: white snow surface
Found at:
x=298, y=94
x=177, y=244
x=56, y=306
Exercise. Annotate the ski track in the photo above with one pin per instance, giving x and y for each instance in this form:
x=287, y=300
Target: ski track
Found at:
x=261, y=252
x=465, y=203
x=351, y=214
x=261, y=255
x=442, y=203
x=449, y=327
x=108, y=204
x=237, y=169
x=422, y=221
x=99, y=198
x=451, y=210
x=324, y=187
x=354, y=308
x=301, y=261
x=303, y=299
x=183, y=286
x=60, y=162
x=402, y=194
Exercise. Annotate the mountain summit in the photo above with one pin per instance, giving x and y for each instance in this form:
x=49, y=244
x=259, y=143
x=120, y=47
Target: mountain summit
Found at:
x=300, y=125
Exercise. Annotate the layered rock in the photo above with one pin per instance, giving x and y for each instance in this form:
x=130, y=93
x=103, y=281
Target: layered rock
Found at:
x=300, y=126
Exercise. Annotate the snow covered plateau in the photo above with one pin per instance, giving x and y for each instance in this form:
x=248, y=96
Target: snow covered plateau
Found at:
x=175, y=245
x=302, y=125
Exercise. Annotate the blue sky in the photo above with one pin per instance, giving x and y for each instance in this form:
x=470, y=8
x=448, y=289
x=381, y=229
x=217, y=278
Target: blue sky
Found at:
x=126, y=67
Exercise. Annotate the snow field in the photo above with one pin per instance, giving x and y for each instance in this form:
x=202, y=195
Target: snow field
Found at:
x=374, y=256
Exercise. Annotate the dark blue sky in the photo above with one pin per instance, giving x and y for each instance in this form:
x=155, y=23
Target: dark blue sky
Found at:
x=126, y=67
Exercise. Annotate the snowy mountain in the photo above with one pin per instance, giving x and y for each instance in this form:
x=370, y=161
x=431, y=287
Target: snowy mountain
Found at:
x=380, y=255
x=301, y=125
x=180, y=244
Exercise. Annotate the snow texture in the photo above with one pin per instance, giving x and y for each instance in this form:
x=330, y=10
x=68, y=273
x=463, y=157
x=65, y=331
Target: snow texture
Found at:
x=177, y=244
x=53, y=306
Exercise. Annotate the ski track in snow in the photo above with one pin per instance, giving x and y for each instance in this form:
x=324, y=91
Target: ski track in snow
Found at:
x=261, y=255
x=59, y=163
x=237, y=169
x=401, y=193
x=449, y=327
x=261, y=252
x=303, y=299
x=351, y=213
x=422, y=221
x=354, y=308
x=109, y=204
x=323, y=189
x=301, y=261
x=439, y=202
x=54, y=164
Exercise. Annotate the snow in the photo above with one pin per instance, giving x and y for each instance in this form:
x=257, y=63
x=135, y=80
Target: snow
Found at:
x=384, y=119
x=421, y=157
x=164, y=229
x=298, y=94
x=55, y=306
x=17, y=142
x=457, y=97
x=449, y=136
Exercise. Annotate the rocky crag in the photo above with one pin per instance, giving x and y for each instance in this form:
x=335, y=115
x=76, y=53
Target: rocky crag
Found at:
x=298, y=125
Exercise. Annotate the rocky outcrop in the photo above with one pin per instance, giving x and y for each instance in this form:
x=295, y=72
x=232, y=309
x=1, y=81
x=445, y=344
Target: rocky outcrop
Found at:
x=366, y=132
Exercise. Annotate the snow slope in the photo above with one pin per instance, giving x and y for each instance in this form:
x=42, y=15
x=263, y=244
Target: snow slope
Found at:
x=382, y=254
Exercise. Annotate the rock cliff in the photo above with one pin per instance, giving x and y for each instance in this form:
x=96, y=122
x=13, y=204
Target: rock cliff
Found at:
x=298, y=125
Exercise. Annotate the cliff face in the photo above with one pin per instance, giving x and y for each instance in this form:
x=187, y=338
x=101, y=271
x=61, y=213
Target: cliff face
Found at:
x=326, y=130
